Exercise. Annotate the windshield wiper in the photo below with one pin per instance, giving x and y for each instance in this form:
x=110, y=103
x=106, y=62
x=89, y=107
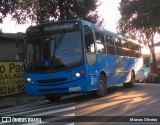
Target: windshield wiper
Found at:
x=59, y=40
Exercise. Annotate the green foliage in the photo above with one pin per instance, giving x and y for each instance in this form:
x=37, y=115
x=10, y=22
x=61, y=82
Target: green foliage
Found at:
x=40, y=11
x=142, y=18
x=139, y=15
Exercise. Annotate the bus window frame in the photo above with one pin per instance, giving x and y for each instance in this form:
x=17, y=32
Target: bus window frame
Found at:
x=109, y=44
x=90, y=56
x=102, y=42
x=87, y=27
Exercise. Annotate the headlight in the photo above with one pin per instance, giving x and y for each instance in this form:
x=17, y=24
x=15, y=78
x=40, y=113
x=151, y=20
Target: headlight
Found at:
x=78, y=75
x=29, y=79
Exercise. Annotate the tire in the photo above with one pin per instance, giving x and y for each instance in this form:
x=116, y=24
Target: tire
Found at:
x=102, y=90
x=130, y=84
x=53, y=98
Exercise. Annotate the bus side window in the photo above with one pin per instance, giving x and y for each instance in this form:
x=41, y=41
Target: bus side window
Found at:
x=100, y=43
x=119, y=51
x=118, y=42
x=107, y=39
x=110, y=48
x=118, y=47
x=112, y=40
x=124, y=43
x=89, y=39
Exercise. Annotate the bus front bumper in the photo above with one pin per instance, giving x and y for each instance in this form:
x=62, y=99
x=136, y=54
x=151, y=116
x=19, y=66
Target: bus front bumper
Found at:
x=78, y=86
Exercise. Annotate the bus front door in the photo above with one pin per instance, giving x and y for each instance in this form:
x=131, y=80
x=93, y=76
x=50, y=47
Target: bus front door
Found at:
x=92, y=66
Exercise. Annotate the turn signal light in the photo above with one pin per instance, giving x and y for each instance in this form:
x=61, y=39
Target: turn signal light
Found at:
x=82, y=71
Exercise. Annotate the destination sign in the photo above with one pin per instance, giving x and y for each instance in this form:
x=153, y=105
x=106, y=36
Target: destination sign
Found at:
x=60, y=27
x=51, y=27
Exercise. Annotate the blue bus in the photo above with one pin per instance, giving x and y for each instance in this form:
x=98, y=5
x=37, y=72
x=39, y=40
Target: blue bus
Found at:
x=75, y=56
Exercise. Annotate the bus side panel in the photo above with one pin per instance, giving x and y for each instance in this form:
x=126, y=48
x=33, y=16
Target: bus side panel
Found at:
x=117, y=68
x=138, y=67
x=92, y=76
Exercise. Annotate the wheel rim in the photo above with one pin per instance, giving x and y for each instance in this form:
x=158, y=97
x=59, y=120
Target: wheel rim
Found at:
x=102, y=86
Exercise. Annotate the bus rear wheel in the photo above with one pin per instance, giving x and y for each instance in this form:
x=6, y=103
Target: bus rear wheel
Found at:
x=130, y=84
x=102, y=91
x=53, y=98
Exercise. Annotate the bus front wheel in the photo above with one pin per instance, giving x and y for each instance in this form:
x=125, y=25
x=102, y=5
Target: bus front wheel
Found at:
x=102, y=90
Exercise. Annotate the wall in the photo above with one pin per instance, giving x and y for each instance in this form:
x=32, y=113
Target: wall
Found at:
x=11, y=64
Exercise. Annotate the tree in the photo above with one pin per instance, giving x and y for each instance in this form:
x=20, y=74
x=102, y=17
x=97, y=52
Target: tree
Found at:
x=142, y=19
x=40, y=11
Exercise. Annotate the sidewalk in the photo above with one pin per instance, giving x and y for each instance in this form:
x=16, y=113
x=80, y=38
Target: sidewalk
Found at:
x=19, y=99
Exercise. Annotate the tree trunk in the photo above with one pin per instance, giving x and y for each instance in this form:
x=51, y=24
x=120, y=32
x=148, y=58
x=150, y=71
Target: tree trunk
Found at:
x=153, y=63
x=149, y=35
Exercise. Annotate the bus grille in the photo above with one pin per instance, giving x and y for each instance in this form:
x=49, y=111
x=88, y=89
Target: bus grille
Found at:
x=53, y=90
x=52, y=81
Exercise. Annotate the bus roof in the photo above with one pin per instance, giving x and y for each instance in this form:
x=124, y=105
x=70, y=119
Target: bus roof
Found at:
x=94, y=27
x=108, y=32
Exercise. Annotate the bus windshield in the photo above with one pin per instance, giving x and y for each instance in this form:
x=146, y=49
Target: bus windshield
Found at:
x=53, y=52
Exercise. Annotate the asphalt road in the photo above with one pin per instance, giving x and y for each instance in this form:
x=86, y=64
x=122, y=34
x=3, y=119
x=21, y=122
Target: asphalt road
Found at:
x=119, y=106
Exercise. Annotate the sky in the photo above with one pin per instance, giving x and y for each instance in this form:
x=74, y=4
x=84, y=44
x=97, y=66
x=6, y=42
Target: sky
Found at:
x=10, y=26
x=107, y=10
